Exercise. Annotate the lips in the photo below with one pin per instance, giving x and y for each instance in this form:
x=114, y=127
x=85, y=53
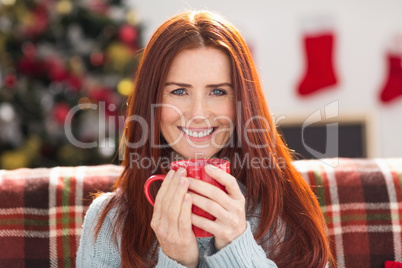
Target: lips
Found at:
x=197, y=133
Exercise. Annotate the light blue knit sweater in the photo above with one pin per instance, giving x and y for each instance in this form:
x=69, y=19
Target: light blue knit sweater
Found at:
x=104, y=252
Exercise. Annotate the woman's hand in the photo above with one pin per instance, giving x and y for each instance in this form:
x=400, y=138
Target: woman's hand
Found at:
x=171, y=220
x=228, y=208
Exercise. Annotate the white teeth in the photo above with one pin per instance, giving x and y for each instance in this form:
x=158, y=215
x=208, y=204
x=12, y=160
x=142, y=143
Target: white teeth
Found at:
x=197, y=134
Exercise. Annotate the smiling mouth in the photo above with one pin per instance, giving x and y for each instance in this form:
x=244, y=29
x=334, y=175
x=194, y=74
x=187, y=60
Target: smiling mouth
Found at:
x=197, y=133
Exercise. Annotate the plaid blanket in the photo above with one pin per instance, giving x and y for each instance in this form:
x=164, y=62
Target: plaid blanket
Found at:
x=362, y=203
x=42, y=210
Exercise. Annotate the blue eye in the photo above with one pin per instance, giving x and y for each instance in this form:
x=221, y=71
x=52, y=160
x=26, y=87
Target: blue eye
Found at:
x=218, y=92
x=180, y=91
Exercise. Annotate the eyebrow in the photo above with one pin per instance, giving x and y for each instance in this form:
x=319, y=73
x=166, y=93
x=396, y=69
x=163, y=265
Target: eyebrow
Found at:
x=189, y=86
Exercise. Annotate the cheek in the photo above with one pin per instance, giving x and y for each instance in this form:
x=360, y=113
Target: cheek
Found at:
x=228, y=115
x=169, y=120
x=166, y=120
x=168, y=116
x=227, y=122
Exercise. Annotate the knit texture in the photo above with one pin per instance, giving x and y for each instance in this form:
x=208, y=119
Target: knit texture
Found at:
x=104, y=251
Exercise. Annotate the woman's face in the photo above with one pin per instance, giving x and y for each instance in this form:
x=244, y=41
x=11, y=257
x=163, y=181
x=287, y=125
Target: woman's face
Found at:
x=198, y=109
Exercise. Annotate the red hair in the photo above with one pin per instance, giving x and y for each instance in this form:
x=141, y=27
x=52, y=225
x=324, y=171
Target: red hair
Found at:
x=279, y=190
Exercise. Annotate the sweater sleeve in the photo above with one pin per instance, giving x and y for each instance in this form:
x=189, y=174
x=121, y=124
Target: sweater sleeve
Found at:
x=104, y=251
x=165, y=262
x=241, y=252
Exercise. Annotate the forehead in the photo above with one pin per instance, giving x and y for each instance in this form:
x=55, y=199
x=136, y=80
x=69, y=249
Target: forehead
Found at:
x=202, y=63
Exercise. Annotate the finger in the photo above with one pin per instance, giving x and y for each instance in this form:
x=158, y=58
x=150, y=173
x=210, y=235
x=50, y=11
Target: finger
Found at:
x=162, y=191
x=177, y=202
x=173, y=185
x=205, y=224
x=157, y=214
x=162, y=207
x=209, y=205
x=227, y=180
x=185, y=225
x=211, y=191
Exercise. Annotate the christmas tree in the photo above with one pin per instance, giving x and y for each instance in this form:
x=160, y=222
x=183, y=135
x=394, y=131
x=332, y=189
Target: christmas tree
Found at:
x=66, y=69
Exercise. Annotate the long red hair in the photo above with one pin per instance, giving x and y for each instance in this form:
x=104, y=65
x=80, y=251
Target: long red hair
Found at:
x=276, y=187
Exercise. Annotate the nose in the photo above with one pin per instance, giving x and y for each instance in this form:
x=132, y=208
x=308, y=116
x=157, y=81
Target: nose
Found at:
x=198, y=109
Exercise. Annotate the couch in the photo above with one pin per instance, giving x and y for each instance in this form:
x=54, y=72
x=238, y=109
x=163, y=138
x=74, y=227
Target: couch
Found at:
x=42, y=210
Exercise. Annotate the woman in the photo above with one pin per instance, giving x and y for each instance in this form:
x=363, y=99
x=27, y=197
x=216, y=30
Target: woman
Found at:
x=198, y=95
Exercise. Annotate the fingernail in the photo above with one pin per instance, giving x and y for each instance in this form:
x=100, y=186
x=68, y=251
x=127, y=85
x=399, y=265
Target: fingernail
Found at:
x=211, y=167
x=183, y=172
x=180, y=171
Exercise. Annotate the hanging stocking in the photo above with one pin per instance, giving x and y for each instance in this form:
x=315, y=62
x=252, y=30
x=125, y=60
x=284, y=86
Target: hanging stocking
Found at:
x=393, y=85
x=318, y=54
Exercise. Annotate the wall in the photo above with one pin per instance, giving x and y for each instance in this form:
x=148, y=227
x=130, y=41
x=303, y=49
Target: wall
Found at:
x=364, y=30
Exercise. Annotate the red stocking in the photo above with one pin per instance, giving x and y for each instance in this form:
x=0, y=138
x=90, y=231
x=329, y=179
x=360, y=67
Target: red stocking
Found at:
x=393, y=85
x=320, y=71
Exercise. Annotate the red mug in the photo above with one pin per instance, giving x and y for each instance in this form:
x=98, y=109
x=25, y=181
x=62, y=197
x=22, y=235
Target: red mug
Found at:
x=195, y=169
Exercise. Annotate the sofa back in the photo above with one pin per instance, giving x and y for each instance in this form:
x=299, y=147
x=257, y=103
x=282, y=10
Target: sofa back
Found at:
x=42, y=210
x=361, y=200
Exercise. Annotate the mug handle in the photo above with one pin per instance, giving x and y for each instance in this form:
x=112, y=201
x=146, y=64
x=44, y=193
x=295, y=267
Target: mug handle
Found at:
x=148, y=184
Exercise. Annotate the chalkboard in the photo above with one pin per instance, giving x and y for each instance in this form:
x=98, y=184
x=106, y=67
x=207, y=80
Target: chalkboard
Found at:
x=326, y=140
